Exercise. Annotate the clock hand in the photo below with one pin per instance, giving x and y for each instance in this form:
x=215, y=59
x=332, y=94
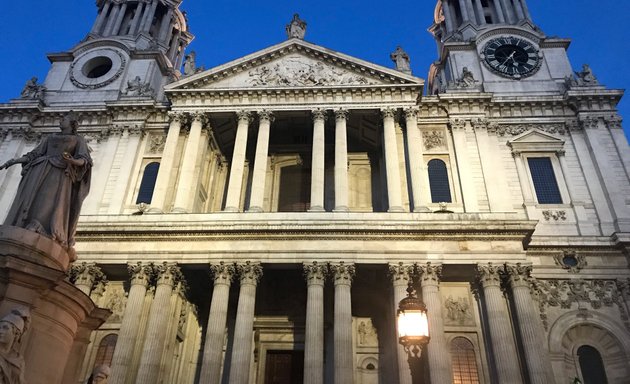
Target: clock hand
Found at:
x=511, y=57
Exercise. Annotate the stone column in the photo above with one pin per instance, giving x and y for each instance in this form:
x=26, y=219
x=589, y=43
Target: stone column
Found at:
x=526, y=10
x=184, y=198
x=117, y=181
x=448, y=17
x=499, y=11
x=343, y=354
x=136, y=18
x=314, y=333
x=341, y=161
x=162, y=183
x=419, y=181
x=235, y=183
x=260, y=162
x=215, y=332
x=111, y=20
x=528, y=196
x=391, y=161
x=507, y=10
x=128, y=334
x=401, y=274
x=168, y=275
x=166, y=25
x=148, y=19
x=481, y=17
x=498, y=193
x=317, y=163
x=438, y=353
x=98, y=24
x=464, y=10
x=519, y=10
x=533, y=339
x=506, y=360
x=249, y=274
x=85, y=276
x=119, y=19
x=469, y=191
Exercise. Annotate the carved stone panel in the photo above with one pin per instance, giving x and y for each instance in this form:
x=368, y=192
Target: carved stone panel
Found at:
x=457, y=305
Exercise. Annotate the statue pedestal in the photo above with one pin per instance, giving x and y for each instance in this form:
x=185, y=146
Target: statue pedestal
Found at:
x=33, y=275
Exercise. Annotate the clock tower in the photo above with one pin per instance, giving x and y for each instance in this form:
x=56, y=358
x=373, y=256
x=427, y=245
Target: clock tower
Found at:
x=494, y=46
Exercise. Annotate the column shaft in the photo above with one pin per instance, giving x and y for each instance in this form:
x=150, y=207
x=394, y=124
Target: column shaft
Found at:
x=215, y=333
x=127, y=336
x=448, y=17
x=391, y=161
x=528, y=195
x=235, y=183
x=500, y=327
x=119, y=19
x=184, y=198
x=520, y=15
x=499, y=11
x=166, y=25
x=162, y=183
x=341, y=161
x=260, y=163
x=471, y=11
x=148, y=20
x=526, y=10
x=343, y=355
x=481, y=16
x=507, y=10
x=314, y=332
x=136, y=18
x=469, y=192
x=419, y=182
x=242, y=350
x=536, y=353
x=464, y=11
x=401, y=275
x=437, y=350
x=111, y=20
x=157, y=325
x=98, y=24
x=318, y=161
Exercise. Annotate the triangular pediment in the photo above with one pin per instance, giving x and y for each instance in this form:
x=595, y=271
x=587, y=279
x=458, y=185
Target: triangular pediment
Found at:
x=294, y=64
x=536, y=140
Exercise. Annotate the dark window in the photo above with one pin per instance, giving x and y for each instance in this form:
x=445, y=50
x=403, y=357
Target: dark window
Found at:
x=295, y=189
x=591, y=365
x=464, y=362
x=105, y=351
x=544, y=180
x=438, y=180
x=148, y=183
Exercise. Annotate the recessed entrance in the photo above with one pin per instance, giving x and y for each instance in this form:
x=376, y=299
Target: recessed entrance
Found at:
x=284, y=367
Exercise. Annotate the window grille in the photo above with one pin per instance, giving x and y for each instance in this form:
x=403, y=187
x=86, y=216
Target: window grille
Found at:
x=544, y=180
x=438, y=180
x=145, y=194
x=105, y=351
x=464, y=362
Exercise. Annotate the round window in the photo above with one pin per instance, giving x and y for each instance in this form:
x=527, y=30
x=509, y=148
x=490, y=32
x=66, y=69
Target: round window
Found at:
x=97, y=67
x=570, y=261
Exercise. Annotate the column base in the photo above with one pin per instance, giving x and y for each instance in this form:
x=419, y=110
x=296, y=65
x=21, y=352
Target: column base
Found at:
x=396, y=209
x=316, y=209
x=422, y=209
x=255, y=210
x=179, y=210
x=154, y=210
x=230, y=209
x=341, y=208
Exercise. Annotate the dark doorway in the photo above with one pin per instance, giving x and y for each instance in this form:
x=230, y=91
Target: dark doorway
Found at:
x=295, y=189
x=284, y=367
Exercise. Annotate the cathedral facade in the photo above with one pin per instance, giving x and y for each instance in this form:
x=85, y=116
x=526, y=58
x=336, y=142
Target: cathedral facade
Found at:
x=260, y=221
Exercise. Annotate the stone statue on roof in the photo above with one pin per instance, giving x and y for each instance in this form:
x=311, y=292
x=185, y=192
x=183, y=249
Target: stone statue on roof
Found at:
x=401, y=58
x=297, y=28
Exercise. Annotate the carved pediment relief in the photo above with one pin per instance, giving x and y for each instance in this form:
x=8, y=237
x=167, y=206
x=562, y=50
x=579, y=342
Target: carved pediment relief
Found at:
x=295, y=64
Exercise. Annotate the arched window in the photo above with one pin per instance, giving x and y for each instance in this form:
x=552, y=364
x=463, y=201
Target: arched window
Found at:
x=438, y=180
x=105, y=351
x=464, y=362
x=148, y=183
x=591, y=365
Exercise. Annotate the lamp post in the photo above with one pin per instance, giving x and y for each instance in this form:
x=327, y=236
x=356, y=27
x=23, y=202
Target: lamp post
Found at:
x=413, y=330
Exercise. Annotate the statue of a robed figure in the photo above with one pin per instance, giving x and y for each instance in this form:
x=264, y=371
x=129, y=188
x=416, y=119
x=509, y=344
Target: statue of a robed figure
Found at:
x=55, y=181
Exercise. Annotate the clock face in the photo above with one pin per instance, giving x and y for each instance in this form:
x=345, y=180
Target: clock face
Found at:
x=511, y=57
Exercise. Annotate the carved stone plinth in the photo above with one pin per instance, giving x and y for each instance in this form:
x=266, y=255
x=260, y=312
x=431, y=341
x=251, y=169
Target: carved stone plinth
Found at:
x=33, y=275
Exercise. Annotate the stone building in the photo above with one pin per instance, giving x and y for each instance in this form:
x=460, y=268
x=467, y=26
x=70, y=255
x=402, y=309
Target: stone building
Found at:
x=258, y=222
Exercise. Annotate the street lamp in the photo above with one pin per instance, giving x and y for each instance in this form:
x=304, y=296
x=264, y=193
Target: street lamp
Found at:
x=413, y=329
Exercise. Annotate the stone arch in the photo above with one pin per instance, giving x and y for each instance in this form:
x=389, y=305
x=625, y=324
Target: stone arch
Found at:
x=598, y=330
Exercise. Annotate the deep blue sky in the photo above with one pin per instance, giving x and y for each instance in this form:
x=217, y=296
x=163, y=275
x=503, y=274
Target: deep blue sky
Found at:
x=367, y=29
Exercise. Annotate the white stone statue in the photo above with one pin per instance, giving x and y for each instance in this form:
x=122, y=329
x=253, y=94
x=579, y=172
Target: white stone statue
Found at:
x=190, y=66
x=401, y=58
x=12, y=327
x=297, y=28
x=467, y=80
x=137, y=87
x=32, y=90
x=586, y=76
x=55, y=181
x=100, y=375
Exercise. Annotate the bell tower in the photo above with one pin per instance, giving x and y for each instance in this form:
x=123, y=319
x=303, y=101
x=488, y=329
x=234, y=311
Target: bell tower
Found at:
x=134, y=48
x=494, y=46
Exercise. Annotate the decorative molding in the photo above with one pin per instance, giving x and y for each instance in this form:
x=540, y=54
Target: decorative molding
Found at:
x=319, y=114
x=589, y=122
x=555, y=215
x=489, y=275
x=222, y=273
x=265, y=115
x=156, y=143
x=168, y=273
x=249, y=273
x=571, y=261
x=517, y=129
x=411, y=112
x=430, y=273
x=401, y=272
x=518, y=274
x=315, y=273
x=141, y=273
x=457, y=124
x=88, y=274
x=458, y=311
x=342, y=273
x=245, y=116
x=388, y=113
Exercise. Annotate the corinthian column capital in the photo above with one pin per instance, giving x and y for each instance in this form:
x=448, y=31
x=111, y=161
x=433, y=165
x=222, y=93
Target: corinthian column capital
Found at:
x=342, y=273
x=489, y=275
x=222, y=273
x=319, y=114
x=430, y=274
x=86, y=274
x=411, y=112
x=341, y=114
x=250, y=273
x=388, y=113
x=244, y=116
x=140, y=273
x=265, y=115
x=168, y=274
x=315, y=273
x=518, y=274
x=401, y=273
